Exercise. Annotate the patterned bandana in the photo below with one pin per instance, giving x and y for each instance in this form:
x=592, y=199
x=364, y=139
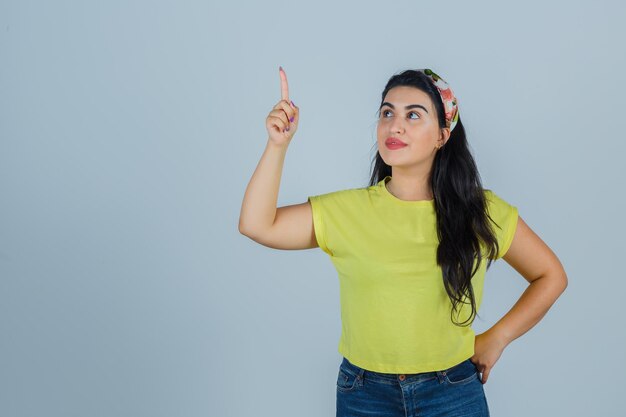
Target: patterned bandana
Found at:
x=447, y=96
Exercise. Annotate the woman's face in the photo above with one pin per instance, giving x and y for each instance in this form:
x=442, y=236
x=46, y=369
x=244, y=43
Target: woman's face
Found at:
x=408, y=114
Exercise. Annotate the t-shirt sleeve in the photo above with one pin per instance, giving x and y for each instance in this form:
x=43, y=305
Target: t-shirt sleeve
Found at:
x=318, y=206
x=331, y=214
x=505, y=216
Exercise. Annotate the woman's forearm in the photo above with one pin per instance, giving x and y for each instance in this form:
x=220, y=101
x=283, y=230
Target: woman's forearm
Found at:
x=533, y=304
x=258, y=209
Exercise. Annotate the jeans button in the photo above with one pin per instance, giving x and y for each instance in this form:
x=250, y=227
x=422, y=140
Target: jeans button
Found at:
x=402, y=377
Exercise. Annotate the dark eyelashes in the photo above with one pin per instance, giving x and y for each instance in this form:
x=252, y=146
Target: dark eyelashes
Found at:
x=415, y=113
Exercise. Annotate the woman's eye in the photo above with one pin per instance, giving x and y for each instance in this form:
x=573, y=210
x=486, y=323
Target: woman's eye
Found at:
x=384, y=114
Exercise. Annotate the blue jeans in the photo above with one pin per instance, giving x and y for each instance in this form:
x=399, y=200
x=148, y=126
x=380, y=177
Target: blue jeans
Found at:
x=454, y=392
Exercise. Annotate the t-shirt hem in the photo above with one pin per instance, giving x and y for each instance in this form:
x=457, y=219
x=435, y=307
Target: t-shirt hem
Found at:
x=401, y=369
x=318, y=224
x=510, y=232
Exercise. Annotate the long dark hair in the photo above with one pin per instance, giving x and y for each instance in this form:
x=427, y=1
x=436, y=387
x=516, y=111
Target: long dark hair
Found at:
x=460, y=203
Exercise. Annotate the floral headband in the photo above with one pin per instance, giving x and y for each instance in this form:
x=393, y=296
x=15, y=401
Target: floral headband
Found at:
x=447, y=96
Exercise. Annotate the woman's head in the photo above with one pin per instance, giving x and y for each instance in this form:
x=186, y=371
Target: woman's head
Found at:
x=411, y=112
x=408, y=117
x=437, y=148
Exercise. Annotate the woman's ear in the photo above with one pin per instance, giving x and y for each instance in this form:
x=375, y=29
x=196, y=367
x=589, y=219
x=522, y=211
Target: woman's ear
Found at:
x=445, y=135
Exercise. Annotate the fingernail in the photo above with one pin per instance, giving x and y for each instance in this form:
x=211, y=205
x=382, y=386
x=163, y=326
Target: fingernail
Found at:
x=293, y=104
x=291, y=120
x=287, y=129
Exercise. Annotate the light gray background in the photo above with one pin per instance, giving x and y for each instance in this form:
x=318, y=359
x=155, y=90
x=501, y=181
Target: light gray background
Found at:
x=129, y=131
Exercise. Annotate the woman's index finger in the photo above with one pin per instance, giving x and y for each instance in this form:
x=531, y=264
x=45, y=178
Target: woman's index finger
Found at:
x=284, y=87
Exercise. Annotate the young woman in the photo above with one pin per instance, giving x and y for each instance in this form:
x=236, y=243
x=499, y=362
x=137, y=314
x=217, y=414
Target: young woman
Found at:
x=411, y=251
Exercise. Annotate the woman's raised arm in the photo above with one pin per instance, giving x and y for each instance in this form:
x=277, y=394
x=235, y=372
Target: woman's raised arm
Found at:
x=289, y=227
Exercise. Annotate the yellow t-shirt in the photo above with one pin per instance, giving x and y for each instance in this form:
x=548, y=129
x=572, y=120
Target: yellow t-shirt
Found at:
x=395, y=312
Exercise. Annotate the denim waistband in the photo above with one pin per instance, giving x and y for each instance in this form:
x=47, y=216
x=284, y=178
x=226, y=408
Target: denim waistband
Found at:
x=348, y=366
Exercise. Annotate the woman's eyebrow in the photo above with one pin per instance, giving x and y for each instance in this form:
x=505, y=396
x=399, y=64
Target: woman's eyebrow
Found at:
x=410, y=106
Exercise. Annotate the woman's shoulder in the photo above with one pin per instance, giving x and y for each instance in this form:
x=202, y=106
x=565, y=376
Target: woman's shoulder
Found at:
x=343, y=196
x=493, y=198
x=353, y=192
x=498, y=208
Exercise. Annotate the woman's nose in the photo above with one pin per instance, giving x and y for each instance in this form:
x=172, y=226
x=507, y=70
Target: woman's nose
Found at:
x=397, y=126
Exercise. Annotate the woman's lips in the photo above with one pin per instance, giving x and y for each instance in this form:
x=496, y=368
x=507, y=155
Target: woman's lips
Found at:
x=394, y=143
x=394, y=146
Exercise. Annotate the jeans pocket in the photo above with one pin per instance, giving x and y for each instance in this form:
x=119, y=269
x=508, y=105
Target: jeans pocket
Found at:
x=462, y=373
x=346, y=380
